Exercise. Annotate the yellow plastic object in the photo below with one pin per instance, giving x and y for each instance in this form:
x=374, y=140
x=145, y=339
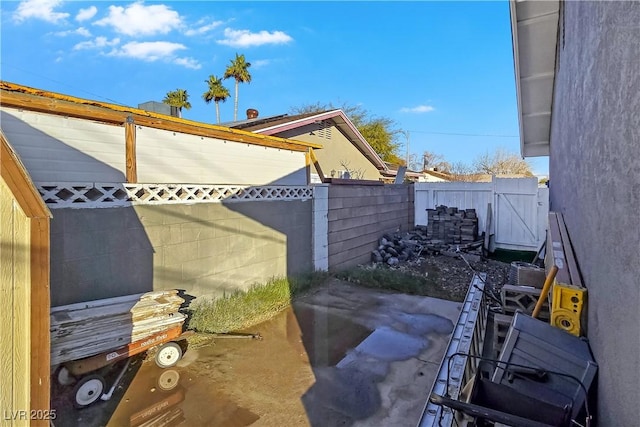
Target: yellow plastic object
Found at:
x=567, y=305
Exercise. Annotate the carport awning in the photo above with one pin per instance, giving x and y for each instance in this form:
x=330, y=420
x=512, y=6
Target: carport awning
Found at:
x=534, y=29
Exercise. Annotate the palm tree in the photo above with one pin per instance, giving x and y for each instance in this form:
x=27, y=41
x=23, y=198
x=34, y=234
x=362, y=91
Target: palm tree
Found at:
x=178, y=98
x=238, y=69
x=216, y=93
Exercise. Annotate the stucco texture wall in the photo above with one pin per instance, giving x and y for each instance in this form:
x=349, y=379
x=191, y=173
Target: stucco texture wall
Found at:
x=595, y=182
x=359, y=215
x=207, y=249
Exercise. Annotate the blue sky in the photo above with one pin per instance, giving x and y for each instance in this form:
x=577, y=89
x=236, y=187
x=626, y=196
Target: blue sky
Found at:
x=435, y=68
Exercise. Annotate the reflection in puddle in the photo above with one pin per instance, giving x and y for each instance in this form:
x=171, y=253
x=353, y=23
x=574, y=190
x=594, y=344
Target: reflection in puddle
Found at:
x=387, y=345
x=167, y=397
x=326, y=337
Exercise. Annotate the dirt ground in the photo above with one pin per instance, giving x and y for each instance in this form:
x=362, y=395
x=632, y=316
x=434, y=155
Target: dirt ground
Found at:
x=343, y=355
x=454, y=274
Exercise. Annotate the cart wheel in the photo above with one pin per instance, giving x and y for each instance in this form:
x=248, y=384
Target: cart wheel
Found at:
x=168, y=380
x=88, y=390
x=65, y=377
x=168, y=355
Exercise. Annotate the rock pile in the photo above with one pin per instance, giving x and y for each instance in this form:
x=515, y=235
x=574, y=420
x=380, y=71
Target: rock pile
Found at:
x=396, y=248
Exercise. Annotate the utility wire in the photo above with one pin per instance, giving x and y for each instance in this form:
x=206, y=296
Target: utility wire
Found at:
x=465, y=134
x=3, y=64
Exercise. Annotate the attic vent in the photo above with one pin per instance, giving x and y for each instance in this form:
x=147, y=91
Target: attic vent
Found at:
x=324, y=129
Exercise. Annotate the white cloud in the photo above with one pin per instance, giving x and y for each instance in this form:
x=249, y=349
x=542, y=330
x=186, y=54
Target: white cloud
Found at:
x=148, y=51
x=140, y=20
x=79, y=31
x=88, y=13
x=39, y=9
x=97, y=43
x=260, y=63
x=188, y=63
x=245, y=38
x=418, y=109
x=203, y=29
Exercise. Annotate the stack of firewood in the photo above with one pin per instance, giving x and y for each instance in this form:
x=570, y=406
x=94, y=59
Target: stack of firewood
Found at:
x=89, y=328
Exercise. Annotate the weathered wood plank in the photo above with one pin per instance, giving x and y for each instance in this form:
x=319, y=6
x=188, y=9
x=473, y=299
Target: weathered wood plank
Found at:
x=100, y=342
x=555, y=249
x=140, y=308
x=114, y=300
x=574, y=272
x=85, y=329
x=90, y=329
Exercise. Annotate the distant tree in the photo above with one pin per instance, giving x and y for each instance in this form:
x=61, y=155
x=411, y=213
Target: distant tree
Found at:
x=460, y=171
x=380, y=132
x=502, y=162
x=178, y=98
x=429, y=160
x=215, y=92
x=351, y=173
x=239, y=70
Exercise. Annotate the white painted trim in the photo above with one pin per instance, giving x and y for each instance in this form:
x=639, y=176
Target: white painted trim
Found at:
x=106, y=195
x=320, y=235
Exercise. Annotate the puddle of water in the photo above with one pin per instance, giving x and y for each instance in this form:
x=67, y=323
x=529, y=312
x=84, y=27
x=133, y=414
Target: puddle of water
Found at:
x=162, y=397
x=327, y=337
x=387, y=345
x=423, y=324
x=312, y=367
x=149, y=396
x=340, y=396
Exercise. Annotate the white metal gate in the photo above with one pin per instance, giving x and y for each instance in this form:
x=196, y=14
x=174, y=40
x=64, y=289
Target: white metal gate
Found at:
x=519, y=207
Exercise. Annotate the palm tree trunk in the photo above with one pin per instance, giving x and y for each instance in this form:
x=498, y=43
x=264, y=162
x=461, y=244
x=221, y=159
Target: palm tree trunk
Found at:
x=235, y=108
x=218, y=112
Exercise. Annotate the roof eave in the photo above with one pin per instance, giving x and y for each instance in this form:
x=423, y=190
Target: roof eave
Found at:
x=359, y=139
x=534, y=57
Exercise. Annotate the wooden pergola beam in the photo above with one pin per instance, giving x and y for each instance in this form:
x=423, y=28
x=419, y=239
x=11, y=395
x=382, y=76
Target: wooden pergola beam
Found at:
x=316, y=164
x=15, y=96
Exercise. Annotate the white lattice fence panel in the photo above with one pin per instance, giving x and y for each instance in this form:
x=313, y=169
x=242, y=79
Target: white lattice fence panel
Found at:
x=104, y=195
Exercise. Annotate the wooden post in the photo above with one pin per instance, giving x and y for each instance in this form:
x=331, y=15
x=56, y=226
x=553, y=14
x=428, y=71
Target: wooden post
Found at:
x=307, y=165
x=40, y=305
x=486, y=248
x=314, y=160
x=130, y=143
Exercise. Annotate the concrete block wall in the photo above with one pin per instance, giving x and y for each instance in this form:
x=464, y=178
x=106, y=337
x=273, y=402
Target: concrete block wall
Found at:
x=358, y=216
x=207, y=249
